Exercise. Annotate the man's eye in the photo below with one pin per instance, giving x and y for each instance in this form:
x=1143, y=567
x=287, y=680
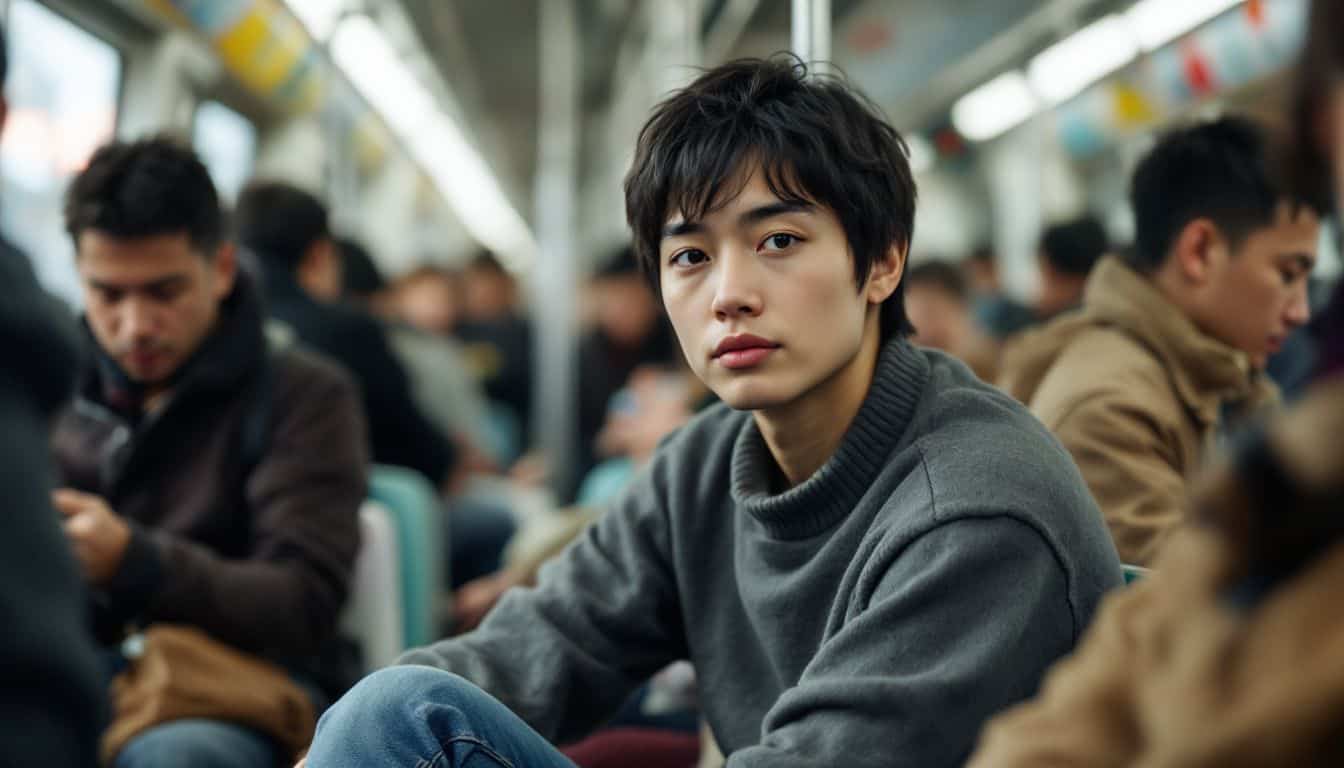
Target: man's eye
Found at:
x=689, y=258
x=778, y=242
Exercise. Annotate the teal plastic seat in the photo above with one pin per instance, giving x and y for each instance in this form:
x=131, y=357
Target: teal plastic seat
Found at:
x=421, y=532
x=1134, y=572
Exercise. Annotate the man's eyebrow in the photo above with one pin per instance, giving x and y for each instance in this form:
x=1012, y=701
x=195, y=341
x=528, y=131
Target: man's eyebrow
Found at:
x=151, y=285
x=682, y=228
x=771, y=210
x=755, y=215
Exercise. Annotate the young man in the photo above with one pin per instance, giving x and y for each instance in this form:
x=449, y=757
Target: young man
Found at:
x=864, y=551
x=209, y=481
x=1136, y=382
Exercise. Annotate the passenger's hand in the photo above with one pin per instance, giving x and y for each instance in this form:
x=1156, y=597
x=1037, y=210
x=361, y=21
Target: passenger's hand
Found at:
x=97, y=536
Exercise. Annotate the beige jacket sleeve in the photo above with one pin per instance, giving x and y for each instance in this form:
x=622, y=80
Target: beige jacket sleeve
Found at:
x=1132, y=465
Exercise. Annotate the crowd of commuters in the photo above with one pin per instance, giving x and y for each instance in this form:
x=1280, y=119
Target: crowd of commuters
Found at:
x=880, y=507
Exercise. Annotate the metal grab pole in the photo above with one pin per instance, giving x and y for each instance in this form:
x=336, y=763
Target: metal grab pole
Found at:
x=811, y=23
x=554, y=279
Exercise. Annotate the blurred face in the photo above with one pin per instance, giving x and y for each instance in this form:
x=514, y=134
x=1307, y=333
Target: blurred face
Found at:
x=430, y=304
x=321, y=273
x=151, y=301
x=626, y=310
x=939, y=317
x=489, y=295
x=761, y=294
x=1254, y=297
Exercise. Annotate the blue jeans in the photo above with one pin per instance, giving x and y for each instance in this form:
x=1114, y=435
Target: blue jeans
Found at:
x=426, y=718
x=200, y=744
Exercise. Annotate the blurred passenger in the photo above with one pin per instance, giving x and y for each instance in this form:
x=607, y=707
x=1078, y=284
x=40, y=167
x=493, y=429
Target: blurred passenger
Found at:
x=864, y=550
x=52, y=689
x=1067, y=254
x=1228, y=655
x=630, y=331
x=497, y=339
x=1136, y=383
x=287, y=230
x=997, y=314
x=420, y=311
x=938, y=303
x=210, y=481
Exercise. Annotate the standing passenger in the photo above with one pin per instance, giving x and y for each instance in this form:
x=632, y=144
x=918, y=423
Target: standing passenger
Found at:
x=864, y=550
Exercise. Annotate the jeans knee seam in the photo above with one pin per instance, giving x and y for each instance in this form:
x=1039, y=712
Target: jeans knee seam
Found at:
x=442, y=757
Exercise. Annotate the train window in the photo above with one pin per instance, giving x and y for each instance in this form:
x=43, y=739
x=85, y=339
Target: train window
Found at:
x=62, y=89
x=227, y=143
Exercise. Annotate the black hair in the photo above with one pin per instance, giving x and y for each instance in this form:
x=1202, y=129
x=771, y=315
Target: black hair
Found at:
x=361, y=277
x=816, y=139
x=485, y=261
x=1074, y=247
x=1229, y=170
x=623, y=263
x=4, y=55
x=943, y=275
x=155, y=186
x=278, y=222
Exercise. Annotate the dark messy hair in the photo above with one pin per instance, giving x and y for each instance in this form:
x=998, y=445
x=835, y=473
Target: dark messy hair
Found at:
x=816, y=139
x=942, y=275
x=278, y=222
x=155, y=186
x=1073, y=247
x=1229, y=170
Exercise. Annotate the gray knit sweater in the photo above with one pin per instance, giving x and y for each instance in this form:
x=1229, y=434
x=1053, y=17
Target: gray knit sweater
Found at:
x=877, y=614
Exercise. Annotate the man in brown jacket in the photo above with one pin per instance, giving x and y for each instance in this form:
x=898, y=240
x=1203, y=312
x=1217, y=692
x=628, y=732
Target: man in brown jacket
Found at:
x=1134, y=384
x=209, y=480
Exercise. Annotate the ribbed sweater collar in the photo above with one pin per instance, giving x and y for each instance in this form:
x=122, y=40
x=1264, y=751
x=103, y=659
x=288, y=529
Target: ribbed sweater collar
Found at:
x=822, y=500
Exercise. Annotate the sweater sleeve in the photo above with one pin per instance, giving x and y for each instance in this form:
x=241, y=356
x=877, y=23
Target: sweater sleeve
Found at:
x=963, y=623
x=603, y=618
x=285, y=596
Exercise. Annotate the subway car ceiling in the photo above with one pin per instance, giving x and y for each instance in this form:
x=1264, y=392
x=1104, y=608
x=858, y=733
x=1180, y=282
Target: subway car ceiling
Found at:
x=437, y=128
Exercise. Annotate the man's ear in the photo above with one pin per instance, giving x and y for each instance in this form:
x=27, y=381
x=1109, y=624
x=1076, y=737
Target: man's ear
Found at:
x=1197, y=249
x=885, y=274
x=225, y=265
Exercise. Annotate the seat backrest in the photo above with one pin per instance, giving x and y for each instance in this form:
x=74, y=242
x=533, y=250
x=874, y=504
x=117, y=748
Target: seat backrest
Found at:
x=421, y=535
x=1134, y=572
x=373, y=613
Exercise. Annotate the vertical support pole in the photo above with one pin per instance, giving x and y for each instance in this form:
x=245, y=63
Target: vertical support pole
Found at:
x=811, y=23
x=554, y=281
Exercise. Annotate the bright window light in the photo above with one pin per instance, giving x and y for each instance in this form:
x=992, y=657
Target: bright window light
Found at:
x=994, y=107
x=1154, y=23
x=433, y=139
x=922, y=155
x=319, y=16
x=1064, y=69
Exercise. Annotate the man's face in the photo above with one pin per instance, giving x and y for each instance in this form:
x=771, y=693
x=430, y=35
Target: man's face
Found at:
x=151, y=301
x=762, y=296
x=1255, y=296
x=940, y=318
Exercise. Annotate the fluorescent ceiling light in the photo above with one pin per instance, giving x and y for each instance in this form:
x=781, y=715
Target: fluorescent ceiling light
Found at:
x=433, y=140
x=922, y=154
x=1064, y=69
x=319, y=16
x=1154, y=23
x=994, y=107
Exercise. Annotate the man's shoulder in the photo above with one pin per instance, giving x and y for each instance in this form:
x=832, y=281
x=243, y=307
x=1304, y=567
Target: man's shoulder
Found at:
x=1104, y=365
x=304, y=372
x=984, y=452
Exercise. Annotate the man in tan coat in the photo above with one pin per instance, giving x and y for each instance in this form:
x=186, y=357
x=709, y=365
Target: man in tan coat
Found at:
x=1135, y=382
